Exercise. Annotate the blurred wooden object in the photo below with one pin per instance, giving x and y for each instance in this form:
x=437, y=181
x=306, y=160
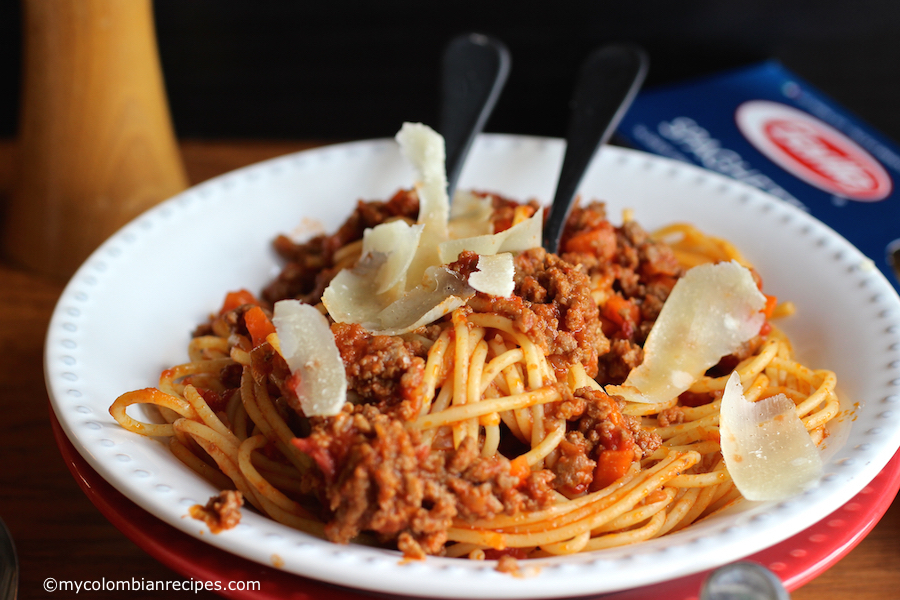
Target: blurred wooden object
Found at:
x=97, y=146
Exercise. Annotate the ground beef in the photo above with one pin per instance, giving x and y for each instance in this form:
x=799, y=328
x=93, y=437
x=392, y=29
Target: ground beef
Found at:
x=374, y=474
x=670, y=416
x=222, y=512
x=648, y=441
x=382, y=370
x=309, y=266
x=508, y=564
x=628, y=264
x=623, y=356
x=594, y=423
x=226, y=324
x=574, y=469
x=554, y=307
x=465, y=264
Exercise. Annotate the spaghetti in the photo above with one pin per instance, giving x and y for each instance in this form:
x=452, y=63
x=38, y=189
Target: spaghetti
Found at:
x=487, y=433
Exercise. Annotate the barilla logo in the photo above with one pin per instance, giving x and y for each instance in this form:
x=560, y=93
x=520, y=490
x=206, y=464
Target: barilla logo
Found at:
x=813, y=151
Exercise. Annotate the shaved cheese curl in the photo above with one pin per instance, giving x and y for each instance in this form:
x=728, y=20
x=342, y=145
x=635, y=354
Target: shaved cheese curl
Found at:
x=352, y=296
x=307, y=345
x=494, y=275
x=711, y=311
x=399, y=285
x=442, y=292
x=766, y=447
x=424, y=148
x=470, y=215
x=398, y=241
x=518, y=238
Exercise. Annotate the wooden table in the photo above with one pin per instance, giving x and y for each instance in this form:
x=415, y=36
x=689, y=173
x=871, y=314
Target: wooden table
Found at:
x=60, y=534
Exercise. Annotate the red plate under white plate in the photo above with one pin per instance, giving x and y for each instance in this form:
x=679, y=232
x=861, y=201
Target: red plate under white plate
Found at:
x=796, y=561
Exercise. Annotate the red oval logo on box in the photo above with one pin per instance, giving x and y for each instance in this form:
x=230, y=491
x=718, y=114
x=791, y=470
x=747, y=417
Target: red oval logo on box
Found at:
x=813, y=151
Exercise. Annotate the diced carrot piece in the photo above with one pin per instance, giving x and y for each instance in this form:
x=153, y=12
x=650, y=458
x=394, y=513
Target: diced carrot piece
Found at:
x=599, y=240
x=611, y=465
x=519, y=467
x=585, y=242
x=623, y=313
x=769, y=308
x=236, y=299
x=258, y=324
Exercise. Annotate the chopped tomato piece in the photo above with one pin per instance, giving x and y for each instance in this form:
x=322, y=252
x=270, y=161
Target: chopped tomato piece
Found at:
x=767, y=310
x=320, y=455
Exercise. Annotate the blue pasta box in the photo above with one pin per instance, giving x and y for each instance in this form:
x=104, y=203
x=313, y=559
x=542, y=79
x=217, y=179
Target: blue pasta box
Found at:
x=763, y=125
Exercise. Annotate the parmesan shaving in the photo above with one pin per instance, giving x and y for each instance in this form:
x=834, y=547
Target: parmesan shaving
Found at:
x=470, y=215
x=307, y=345
x=423, y=147
x=494, y=275
x=351, y=298
x=519, y=237
x=352, y=295
x=710, y=312
x=442, y=292
x=398, y=241
x=766, y=447
x=399, y=284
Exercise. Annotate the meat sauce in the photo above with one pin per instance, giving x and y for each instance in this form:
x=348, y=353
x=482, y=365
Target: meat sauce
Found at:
x=374, y=474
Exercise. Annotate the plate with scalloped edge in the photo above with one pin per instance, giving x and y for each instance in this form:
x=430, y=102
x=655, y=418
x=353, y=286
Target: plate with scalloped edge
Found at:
x=128, y=312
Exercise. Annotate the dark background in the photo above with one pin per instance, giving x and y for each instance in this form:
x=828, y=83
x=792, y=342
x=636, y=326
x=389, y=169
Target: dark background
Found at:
x=345, y=70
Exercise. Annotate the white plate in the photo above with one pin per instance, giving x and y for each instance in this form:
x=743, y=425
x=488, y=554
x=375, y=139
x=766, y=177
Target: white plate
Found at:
x=128, y=312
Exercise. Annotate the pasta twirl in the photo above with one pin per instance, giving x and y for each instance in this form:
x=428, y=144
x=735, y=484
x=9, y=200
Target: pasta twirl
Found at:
x=488, y=432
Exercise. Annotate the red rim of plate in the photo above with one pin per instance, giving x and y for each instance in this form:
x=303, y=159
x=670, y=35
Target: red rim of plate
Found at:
x=796, y=561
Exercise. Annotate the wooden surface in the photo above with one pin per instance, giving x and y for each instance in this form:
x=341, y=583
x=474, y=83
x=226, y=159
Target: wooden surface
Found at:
x=60, y=534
